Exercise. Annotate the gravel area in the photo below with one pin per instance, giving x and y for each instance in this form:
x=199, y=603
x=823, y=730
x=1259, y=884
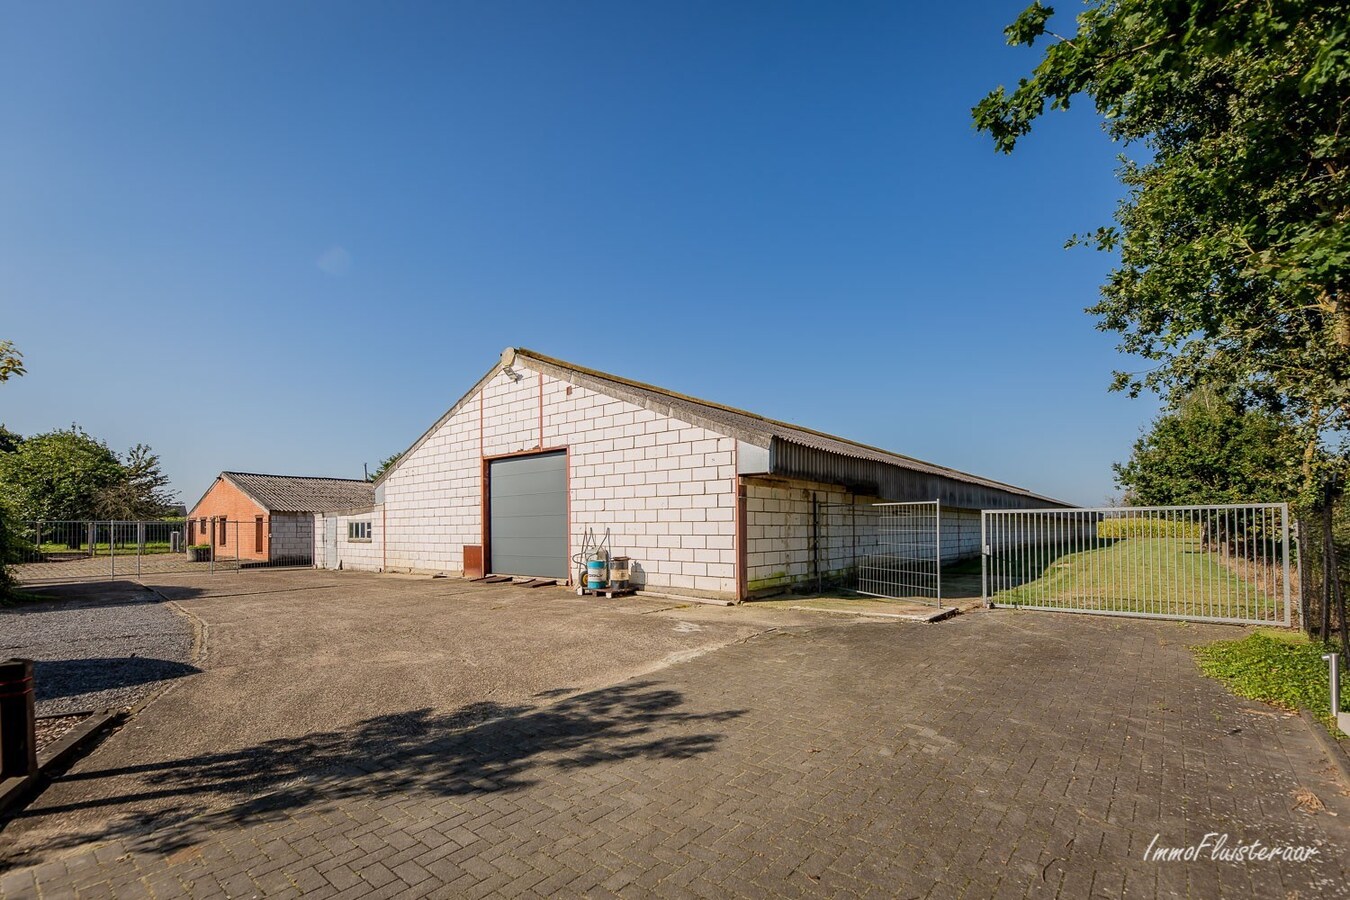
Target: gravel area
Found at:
x=97, y=646
x=49, y=731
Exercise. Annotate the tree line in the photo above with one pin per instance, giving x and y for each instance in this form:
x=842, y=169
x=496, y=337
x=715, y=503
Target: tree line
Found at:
x=69, y=475
x=1232, y=245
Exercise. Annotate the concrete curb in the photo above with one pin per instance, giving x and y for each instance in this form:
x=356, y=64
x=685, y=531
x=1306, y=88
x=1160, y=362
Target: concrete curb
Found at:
x=200, y=631
x=65, y=750
x=16, y=793
x=1332, y=747
x=706, y=601
x=936, y=615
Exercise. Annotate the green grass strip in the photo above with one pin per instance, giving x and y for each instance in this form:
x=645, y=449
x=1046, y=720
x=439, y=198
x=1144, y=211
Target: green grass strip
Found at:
x=1280, y=668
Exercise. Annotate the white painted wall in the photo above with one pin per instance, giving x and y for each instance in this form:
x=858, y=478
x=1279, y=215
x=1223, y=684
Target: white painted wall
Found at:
x=665, y=489
x=363, y=556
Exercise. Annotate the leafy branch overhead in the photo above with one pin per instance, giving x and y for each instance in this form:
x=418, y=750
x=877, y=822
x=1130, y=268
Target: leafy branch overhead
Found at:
x=1234, y=234
x=11, y=362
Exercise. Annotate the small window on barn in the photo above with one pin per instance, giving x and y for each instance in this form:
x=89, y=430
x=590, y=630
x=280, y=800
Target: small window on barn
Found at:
x=358, y=531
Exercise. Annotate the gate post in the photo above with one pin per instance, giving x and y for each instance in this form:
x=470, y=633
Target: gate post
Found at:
x=937, y=548
x=1284, y=551
x=18, y=737
x=984, y=558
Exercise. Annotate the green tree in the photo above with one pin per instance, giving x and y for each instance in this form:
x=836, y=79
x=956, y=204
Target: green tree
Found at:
x=1212, y=450
x=1234, y=234
x=9, y=440
x=57, y=476
x=11, y=361
x=384, y=465
x=142, y=492
x=11, y=366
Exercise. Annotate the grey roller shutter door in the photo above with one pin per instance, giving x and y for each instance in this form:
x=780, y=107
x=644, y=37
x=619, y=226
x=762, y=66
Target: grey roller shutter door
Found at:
x=528, y=515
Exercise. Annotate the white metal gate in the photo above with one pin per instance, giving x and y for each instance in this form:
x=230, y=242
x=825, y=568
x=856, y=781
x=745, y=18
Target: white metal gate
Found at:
x=905, y=562
x=1224, y=563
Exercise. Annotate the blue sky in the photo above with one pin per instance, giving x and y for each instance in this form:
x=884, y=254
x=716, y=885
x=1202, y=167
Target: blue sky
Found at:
x=286, y=237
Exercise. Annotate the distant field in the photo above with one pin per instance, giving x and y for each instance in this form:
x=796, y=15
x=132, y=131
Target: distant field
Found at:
x=102, y=549
x=1158, y=575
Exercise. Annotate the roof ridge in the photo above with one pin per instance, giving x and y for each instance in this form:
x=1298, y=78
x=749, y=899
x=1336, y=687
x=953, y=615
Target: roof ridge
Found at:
x=305, y=477
x=688, y=398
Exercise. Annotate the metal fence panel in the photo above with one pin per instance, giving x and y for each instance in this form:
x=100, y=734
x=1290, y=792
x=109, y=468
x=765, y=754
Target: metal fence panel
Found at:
x=97, y=550
x=905, y=558
x=1220, y=563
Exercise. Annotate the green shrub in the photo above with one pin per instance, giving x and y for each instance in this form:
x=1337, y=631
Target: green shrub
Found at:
x=1280, y=668
x=1143, y=526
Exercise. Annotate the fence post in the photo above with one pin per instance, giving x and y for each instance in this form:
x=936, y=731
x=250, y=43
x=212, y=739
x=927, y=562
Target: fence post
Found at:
x=815, y=539
x=18, y=736
x=937, y=546
x=1284, y=538
x=984, y=558
x=1333, y=661
x=112, y=548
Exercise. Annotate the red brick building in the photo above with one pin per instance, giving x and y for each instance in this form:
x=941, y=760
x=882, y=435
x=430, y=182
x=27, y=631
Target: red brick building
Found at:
x=269, y=518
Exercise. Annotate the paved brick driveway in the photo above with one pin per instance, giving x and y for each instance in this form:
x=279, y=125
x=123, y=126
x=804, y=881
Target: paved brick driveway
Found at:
x=997, y=754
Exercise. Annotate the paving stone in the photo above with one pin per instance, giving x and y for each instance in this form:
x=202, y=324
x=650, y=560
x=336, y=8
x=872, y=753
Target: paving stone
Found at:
x=994, y=755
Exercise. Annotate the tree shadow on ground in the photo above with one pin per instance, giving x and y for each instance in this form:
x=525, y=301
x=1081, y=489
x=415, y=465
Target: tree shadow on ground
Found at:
x=57, y=678
x=37, y=599
x=483, y=748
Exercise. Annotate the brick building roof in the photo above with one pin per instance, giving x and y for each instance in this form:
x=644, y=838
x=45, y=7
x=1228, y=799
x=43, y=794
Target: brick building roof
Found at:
x=303, y=493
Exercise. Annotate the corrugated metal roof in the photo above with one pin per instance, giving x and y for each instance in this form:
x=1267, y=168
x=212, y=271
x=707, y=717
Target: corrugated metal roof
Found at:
x=302, y=493
x=761, y=431
x=747, y=426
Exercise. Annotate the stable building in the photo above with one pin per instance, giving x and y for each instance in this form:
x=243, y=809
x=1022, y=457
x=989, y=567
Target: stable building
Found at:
x=269, y=518
x=703, y=498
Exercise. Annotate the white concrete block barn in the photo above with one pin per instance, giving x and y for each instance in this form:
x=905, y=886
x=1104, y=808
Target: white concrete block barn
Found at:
x=705, y=499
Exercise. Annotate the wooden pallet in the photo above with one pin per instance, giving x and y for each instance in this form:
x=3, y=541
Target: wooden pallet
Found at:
x=607, y=593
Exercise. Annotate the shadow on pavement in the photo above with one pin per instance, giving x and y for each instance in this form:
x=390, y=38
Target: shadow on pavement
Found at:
x=56, y=678
x=58, y=598
x=480, y=749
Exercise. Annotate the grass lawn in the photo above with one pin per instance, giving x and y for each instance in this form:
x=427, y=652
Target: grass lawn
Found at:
x=1160, y=575
x=1280, y=668
x=101, y=548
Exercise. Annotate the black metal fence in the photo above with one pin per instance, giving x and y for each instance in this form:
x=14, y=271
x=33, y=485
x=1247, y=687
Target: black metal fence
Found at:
x=1324, y=564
